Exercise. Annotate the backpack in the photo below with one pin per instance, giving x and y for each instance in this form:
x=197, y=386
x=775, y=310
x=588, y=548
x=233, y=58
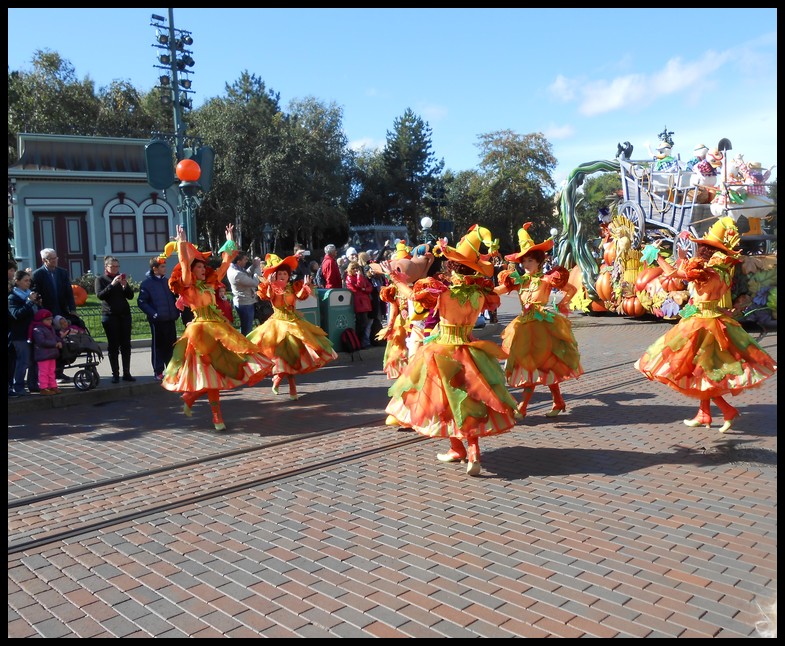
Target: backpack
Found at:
x=351, y=342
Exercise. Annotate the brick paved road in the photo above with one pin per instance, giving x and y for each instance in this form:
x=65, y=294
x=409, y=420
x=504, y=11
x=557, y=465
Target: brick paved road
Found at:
x=614, y=520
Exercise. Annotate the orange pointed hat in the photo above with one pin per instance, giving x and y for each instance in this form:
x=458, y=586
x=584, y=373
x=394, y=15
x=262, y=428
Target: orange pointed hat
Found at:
x=171, y=247
x=467, y=251
x=527, y=244
x=722, y=235
x=273, y=263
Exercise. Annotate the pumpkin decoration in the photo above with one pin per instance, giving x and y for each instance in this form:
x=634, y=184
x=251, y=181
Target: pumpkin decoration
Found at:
x=672, y=283
x=646, y=276
x=604, y=286
x=80, y=295
x=609, y=252
x=631, y=306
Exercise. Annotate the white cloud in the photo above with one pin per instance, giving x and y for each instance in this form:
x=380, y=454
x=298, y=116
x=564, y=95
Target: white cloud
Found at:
x=366, y=142
x=563, y=89
x=432, y=112
x=635, y=91
x=559, y=132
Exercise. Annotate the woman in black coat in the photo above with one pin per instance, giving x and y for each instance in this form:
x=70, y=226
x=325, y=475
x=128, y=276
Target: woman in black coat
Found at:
x=113, y=290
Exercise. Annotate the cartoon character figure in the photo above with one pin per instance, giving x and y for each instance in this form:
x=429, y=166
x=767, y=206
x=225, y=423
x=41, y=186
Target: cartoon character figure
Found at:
x=705, y=172
x=699, y=154
x=404, y=269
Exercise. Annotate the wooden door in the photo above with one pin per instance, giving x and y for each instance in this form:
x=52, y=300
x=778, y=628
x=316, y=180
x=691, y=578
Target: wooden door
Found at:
x=66, y=233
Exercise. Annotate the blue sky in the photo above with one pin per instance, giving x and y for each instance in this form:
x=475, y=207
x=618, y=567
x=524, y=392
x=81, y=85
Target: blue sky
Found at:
x=587, y=78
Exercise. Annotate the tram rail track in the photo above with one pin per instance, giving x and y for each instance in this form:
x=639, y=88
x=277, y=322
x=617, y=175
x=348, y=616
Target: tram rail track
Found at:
x=63, y=514
x=95, y=484
x=70, y=525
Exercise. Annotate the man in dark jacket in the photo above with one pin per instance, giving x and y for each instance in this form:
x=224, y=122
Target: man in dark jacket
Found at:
x=54, y=285
x=158, y=302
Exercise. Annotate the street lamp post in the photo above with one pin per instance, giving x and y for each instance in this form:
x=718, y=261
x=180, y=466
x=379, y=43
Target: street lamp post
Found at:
x=555, y=251
x=267, y=234
x=175, y=86
x=425, y=233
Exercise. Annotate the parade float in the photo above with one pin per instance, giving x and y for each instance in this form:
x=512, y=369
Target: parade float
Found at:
x=663, y=201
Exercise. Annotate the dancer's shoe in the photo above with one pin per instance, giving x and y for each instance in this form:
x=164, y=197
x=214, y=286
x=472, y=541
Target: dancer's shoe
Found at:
x=555, y=411
x=218, y=420
x=473, y=467
x=188, y=401
x=728, y=423
x=701, y=419
x=392, y=421
x=729, y=413
x=293, y=397
x=451, y=456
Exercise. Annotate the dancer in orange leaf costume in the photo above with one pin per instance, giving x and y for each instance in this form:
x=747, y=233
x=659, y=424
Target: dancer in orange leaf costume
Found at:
x=211, y=355
x=539, y=342
x=294, y=345
x=453, y=386
x=707, y=354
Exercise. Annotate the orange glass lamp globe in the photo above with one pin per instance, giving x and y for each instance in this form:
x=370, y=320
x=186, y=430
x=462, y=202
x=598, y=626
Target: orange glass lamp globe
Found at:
x=188, y=171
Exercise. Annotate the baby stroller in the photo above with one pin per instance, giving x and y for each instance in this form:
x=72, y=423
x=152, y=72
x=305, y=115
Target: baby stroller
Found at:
x=81, y=351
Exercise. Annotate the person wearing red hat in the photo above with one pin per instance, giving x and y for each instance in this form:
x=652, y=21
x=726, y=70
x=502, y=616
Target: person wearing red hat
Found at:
x=46, y=348
x=293, y=345
x=541, y=347
x=211, y=355
x=453, y=385
x=707, y=354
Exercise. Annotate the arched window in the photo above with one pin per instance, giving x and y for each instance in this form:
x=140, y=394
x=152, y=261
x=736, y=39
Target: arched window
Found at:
x=122, y=226
x=156, y=224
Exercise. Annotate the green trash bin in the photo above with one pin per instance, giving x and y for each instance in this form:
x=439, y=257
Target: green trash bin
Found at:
x=309, y=309
x=336, y=307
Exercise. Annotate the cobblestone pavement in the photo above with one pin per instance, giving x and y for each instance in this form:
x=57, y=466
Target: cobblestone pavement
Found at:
x=310, y=518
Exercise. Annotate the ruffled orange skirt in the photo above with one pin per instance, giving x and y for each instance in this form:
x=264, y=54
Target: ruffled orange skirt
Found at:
x=213, y=355
x=295, y=346
x=540, y=352
x=453, y=390
x=705, y=357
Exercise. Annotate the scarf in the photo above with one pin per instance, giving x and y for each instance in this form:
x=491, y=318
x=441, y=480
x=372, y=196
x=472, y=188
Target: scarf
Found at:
x=24, y=294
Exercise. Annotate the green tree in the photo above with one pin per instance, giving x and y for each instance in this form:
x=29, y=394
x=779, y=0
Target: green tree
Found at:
x=313, y=200
x=122, y=112
x=517, y=185
x=411, y=169
x=599, y=191
x=369, y=195
x=50, y=100
x=463, y=197
x=243, y=130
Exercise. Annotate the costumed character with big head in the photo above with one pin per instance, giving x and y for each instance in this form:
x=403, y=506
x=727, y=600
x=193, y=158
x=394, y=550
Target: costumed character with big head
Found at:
x=453, y=386
x=539, y=342
x=707, y=354
x=294, y=345
x=402, y=333
x=211, y=355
